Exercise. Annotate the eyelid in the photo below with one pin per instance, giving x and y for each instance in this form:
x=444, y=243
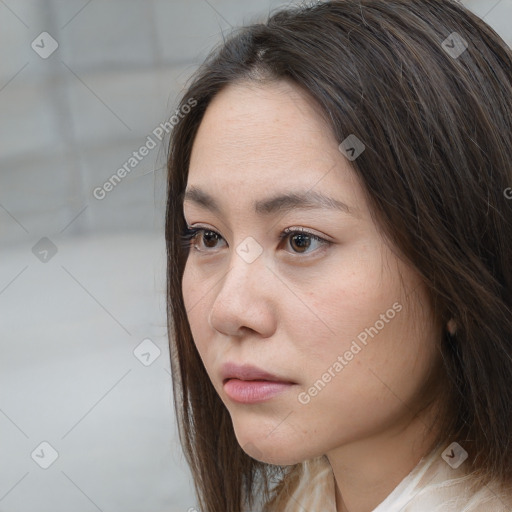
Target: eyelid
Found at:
x=288, y=230
x=309, y=231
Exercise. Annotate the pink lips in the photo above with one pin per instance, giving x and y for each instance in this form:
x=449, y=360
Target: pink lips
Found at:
x=249, y=384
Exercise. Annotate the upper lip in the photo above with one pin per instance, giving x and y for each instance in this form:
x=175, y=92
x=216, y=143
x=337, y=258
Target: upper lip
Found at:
x=248, y=372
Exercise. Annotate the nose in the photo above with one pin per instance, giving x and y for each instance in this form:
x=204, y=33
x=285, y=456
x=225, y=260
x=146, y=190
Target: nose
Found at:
x=245, y=298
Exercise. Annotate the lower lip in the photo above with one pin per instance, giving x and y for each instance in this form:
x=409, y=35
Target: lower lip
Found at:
x=253, y=391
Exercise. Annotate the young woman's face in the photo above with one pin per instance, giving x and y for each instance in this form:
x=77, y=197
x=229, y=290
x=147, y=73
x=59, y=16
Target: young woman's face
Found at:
x=331, y=316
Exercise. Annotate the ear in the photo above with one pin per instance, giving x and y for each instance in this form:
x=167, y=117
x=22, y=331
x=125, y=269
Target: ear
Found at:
x=451, y=326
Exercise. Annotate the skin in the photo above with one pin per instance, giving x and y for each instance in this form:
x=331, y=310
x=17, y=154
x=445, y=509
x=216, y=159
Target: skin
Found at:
x=295, y=309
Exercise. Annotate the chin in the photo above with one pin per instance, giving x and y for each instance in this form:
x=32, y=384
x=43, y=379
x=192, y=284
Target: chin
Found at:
x=276, y=450
x=270, y=456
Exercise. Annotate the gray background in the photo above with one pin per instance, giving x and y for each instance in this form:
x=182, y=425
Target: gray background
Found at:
x=76, y=305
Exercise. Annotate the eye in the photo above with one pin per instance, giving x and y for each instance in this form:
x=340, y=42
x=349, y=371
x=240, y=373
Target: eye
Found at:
x=303, y=239
x=300, y=239
x=190, y=236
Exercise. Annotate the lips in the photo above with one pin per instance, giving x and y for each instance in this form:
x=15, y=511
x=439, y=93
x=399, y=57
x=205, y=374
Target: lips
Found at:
x=248, y=385
x=248, y=372
x=254, y=391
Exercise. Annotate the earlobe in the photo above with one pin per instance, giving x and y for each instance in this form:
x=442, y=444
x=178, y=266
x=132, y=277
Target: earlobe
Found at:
x=451, y=326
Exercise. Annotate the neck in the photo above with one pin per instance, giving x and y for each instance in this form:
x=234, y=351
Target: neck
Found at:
x=368, y=470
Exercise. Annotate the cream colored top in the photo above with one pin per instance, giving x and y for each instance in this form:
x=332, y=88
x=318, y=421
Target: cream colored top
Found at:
x=432, y=486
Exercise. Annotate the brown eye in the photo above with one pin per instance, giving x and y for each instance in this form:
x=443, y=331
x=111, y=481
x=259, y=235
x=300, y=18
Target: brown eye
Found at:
x=207, y=237
x=210, y=237
x=190, y=238
x=301, y=240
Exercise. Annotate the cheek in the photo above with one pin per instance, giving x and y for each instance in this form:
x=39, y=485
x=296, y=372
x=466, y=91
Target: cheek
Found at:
x=364, y=317
x=195, y=303
x=345, y=299
x=187, y=288
x=194, y=290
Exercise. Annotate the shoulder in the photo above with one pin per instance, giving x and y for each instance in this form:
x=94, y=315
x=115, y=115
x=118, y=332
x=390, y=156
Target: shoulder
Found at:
x=435, y=486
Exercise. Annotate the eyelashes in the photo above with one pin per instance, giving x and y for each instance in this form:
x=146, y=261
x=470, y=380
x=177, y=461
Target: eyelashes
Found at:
x=190, y=236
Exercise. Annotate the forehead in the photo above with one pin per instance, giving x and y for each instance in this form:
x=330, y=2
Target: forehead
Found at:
x=255, y=139
x=261, y=123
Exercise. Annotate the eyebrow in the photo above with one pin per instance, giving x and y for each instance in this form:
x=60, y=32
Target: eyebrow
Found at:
x=305, y=200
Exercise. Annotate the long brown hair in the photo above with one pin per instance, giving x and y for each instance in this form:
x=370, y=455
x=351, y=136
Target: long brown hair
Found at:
x=436, y=119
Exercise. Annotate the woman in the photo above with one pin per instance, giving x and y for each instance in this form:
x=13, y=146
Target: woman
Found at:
x=339, y=263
